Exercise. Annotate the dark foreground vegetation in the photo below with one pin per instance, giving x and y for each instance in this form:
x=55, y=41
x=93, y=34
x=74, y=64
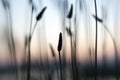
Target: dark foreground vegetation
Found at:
x=60, y=68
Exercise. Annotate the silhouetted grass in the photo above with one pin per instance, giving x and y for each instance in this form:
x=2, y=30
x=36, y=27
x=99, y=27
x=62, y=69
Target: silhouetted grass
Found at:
x=73, y=52
x=39, y=16
x=11, y=42
x=54, y=56
x=96, y=41
x=29, y=41
x=114, y=43
x=59, y=49
x=52, y=50
x=73, y=44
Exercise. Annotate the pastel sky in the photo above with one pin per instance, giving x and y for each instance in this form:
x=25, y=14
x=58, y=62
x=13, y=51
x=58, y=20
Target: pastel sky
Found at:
x=48, y=28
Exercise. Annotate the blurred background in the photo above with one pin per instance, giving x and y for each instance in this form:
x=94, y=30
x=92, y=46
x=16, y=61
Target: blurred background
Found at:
x=18, y=17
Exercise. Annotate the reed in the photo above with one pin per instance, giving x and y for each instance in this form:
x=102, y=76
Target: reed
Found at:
x=76, y=39
x=114, y=43
x=73, y=55
x=54, y=56
x=96, y=35
x=69, y=16
x=59, y=48
x=39, y=16
x=11, y=42
x=29, y=41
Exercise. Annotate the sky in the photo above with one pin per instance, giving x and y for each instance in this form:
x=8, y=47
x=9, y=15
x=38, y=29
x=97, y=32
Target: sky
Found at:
x=49, y=27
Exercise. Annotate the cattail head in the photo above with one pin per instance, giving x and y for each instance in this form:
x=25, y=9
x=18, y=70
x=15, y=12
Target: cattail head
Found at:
x=39, y=16
x=52, y=50
x=70, y=12
x=98, y=19
x=60, y=42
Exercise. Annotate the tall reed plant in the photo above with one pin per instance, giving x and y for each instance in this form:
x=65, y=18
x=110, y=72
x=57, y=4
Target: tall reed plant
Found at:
x=114, y=43
x=38, y=17
x=11, y=42
x=96, y=35
x=59, y=48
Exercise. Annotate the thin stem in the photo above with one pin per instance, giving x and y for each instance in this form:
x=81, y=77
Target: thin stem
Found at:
x=72, y=55
x=29, y=52
x=31, y=20
x=29, y=63
x=33, y=29
x=13, y=43
x=57, y=66
x=75, y=42
x=60, y=64
x=96, y=42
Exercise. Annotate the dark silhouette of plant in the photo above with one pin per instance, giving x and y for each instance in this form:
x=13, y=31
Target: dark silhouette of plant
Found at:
x=73, y=50
x=59, y=48
x=52, y=50
x=114, y=43
x=60, y=43
x=70, y=14
x=39, y=16
x=96, y=35
x=54, y=56
x=69, y=32
x=11, y=42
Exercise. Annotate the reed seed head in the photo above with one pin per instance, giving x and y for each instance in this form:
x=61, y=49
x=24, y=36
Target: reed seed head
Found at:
x=60, y=42
x=39, y=16
x=69, y=16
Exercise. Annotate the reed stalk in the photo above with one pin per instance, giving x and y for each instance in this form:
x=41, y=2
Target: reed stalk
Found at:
x=114, y=43
x=11, y=42
x=54, y=56
x=96, y=40
x=59, y=48
x=29, y=42
x=39, y=16
x=73, y=55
